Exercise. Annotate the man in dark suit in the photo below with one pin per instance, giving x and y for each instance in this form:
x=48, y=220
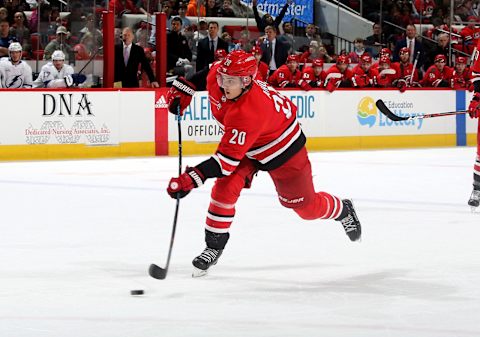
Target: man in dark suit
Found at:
x=411, y=42
x=128, y=57
x=208, y=46
x=274, y=51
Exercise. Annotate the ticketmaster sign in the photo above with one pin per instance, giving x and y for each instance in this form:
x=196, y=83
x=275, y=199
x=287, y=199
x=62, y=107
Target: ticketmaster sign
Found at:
x=300, y=9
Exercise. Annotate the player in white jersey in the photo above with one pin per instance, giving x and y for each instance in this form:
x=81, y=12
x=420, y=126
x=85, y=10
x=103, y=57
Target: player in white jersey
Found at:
x=57, y=74
x=14, y=73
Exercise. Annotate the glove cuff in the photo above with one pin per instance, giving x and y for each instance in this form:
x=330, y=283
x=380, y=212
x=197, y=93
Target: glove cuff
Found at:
x=476, y=97
x=184, y=86
x=197, y=177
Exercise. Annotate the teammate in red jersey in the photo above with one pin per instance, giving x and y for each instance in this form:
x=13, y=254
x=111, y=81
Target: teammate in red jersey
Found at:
x=383, y=52
x=314, y=76
x=470, y=34
x=439, y=74
x=261, y=132
x=287, y=75
x=338, y=75
x=262, y=73
x=405, y=71
x=461, y=76
x=474, y=111
x=386, y=74
x=363, y=73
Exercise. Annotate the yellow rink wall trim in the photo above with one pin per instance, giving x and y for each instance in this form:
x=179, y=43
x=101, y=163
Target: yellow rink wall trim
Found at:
x=75, y=151
x=471, y=139
x=339, y=143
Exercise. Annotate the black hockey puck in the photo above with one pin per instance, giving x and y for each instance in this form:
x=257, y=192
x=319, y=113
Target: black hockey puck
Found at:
x=136, y=292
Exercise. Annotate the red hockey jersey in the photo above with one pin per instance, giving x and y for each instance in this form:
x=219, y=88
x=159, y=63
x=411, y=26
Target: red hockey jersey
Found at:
x=308, y=75
x=283, y=77
x=261, y=124
x=434, y=78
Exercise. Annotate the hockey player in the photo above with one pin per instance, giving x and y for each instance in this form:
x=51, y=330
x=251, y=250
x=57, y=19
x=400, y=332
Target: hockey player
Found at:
x=14, y=73
x=439, y=74
x=383, y=52
x=261, y=132
x=461, y=76
x=288, y=75
x=470, y=34
x=262, y=73
x=363, y=73
x=338, y=75
x=404, y=69
x=474, y=111
x=313, y=77
x=57, y=74
x=386, y=74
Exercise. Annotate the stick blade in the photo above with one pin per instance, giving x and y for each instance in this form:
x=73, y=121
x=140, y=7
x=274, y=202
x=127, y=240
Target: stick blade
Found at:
x=386, y=111
x=157, y=272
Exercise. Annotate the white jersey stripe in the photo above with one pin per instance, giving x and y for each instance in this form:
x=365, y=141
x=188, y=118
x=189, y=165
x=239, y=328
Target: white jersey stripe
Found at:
x=285, y=134
x=221, y=204
x=281, y=150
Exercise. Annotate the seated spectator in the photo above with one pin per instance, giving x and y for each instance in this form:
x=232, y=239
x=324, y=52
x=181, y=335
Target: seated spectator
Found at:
x=358, y=51
x=59, y=43
x=14, y=73
x=465, y=9
x=313, y=52
x=462, y=76
x=423, y=10
x=314, y=76
x=375, y=41
x=20, y=31
x=75, y=20
x=267, y=19
x=5, y=38
x=363, y=73
x=288, y=75
x=262, y=73
x=90, y=36
x=323, y=55
x=470, y=35
x=338, y=75
x=193, y=8
x=228, y=39
x=57, y=74
x=4, y=14
x=438, y=75
x=201, y=32
x=148, y=7
x=226, y=10
x=212, y=8
x=182, y=11
x=240, y=10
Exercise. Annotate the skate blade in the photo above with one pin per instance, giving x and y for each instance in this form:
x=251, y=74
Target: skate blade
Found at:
x=199, y=272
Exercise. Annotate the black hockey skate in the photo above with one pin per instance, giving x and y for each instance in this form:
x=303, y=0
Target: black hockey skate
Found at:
x=205, y=260
x=349, y=220
x=474, y=201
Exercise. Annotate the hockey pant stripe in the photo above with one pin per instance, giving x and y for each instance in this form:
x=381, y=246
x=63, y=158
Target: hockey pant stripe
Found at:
x=225, y=193
x=476, y=172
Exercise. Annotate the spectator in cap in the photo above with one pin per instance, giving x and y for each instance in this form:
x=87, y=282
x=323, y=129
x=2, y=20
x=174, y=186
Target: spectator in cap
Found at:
x=59, y=43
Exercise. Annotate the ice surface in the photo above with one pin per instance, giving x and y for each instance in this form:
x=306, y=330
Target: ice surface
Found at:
x=77, y=236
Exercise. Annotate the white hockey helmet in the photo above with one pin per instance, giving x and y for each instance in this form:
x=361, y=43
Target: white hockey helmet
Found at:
x=58, y=55
x=15, y=46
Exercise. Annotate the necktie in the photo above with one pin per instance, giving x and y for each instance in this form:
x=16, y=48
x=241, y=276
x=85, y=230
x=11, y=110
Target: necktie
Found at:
x=212, y=50
x=125, y=55
x=410, y=46
x=270, y=50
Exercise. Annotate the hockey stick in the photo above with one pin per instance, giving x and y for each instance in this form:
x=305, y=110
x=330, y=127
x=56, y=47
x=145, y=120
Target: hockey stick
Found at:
x=90, y=60
x=387, y=112
x=154, y=270
x=414, y=67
